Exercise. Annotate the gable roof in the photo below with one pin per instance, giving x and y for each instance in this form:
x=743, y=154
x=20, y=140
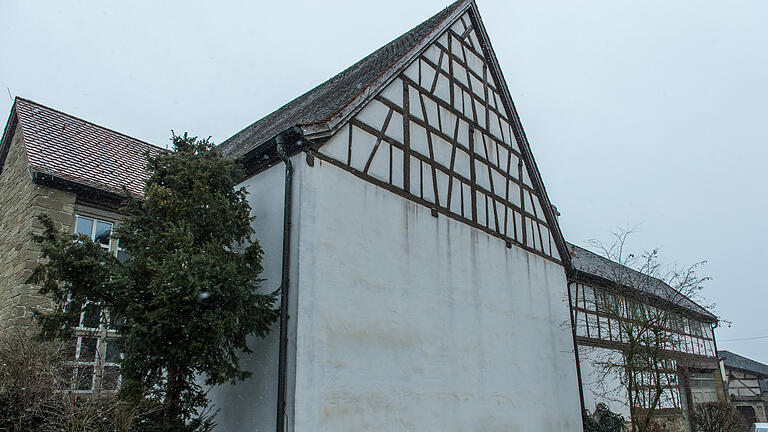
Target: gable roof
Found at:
x=319, y=113
x=67, y=149
x=590, y=263
x=736, y=361
x=321, y=103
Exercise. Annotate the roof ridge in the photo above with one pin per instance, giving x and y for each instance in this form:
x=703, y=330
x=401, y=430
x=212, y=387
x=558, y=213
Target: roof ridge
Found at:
x=88, y=122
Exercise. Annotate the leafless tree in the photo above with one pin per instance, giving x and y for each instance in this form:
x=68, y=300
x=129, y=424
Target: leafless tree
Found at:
x=719, y=417
x=36, y=392
x=645, y=312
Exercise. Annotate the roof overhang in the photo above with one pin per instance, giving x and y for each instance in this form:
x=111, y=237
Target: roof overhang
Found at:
x=85, y=193
x=266, y=155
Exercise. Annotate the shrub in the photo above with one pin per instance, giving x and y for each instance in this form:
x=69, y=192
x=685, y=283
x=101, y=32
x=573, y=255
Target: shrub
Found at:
x=35, y=393
x=603, y=420
x=718, y=417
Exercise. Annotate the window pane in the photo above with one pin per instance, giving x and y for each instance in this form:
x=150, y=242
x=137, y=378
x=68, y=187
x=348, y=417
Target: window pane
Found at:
x=91, y=316
x=102, y=233
x=84, y=226
x=84, y=379
x=113, y=351
x=109, y=380
x=87, y=349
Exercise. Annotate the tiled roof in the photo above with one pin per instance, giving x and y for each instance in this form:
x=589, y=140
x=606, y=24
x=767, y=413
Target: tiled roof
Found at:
x=324, y=101
x=591, y=263
x=736, y=361
x=75, y=150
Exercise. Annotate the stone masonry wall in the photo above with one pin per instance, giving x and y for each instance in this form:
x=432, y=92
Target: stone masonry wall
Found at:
x=20, y=201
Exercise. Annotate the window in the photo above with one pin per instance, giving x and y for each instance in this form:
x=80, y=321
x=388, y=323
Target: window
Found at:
x=703, y=387
x=93, y=352
x=747, y=412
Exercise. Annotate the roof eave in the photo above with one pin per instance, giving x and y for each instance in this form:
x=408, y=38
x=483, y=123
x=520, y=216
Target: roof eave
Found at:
x=8, y=132
x=265, y=154
x=315, y=131
x=760, y=375
x=587, y=277
x=57, y=182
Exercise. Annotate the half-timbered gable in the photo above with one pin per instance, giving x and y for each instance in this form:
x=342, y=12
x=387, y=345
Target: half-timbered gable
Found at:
x=435, y=124
x=440, y=133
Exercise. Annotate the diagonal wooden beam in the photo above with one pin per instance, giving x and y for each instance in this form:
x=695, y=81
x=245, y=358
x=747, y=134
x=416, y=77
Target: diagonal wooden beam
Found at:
x=379, y=137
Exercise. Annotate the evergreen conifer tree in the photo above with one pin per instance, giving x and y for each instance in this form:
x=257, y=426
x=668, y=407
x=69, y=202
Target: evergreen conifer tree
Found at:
x=188, y=294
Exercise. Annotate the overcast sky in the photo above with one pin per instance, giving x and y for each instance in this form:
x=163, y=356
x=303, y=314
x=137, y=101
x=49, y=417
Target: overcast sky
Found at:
x=648, y=113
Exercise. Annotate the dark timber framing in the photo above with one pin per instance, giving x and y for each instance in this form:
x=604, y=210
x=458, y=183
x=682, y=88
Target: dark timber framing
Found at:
x=478, y=108
x=594, y=326
x=496, y=110
x=469, y=108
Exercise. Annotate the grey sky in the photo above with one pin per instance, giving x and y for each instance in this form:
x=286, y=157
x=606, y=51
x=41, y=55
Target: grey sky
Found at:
x=651, y=113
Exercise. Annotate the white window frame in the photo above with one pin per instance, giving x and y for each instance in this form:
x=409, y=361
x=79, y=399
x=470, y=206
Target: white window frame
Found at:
x=102, y=333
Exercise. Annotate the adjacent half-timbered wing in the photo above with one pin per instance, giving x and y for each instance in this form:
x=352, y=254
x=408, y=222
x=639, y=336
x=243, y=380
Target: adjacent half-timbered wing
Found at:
x=431, y=119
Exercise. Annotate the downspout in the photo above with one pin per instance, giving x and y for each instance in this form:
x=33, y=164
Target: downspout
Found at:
x=714, y=340
x=576, y=351
x=717, y=358
x=284, y=287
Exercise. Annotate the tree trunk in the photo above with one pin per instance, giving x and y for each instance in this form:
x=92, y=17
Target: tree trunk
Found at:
x=172, y=397
x=630, y=395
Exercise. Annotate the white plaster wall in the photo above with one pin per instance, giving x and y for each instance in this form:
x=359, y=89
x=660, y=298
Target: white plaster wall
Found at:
x=600, y=387
x=251, y=405
x=410, y=322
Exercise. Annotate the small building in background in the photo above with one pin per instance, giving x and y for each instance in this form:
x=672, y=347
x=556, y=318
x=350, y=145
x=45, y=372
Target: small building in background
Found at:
x=747, y=383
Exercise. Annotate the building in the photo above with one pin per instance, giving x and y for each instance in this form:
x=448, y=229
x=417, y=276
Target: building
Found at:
x=747, y=384
x=74, y=171
x=603, y=293
x=424, y=277
x=419, y=247
x=421, y=266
